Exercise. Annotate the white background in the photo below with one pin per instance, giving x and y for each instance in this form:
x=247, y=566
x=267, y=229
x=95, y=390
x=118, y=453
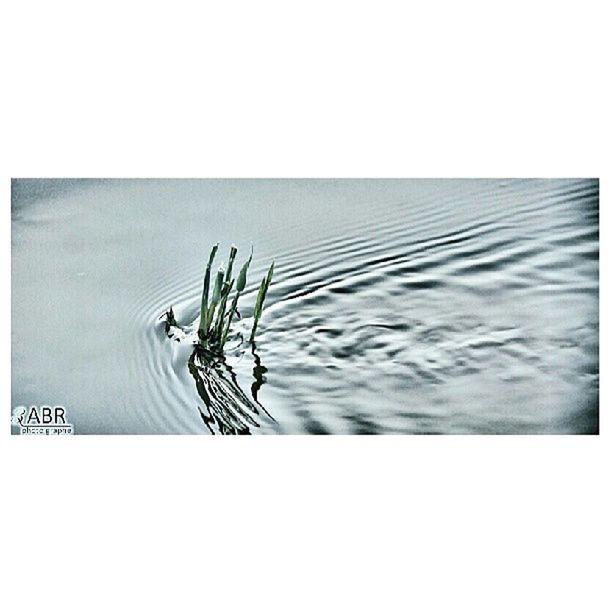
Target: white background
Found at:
x=378, y=89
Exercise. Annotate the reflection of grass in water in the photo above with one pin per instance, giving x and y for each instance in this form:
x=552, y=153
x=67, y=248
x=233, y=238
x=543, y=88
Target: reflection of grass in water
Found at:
x=229, y=409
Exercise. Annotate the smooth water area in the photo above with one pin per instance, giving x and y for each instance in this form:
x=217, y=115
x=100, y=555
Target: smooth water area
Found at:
x=397, y=306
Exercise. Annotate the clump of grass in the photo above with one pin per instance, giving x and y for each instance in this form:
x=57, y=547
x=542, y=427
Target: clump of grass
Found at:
x=215, y=315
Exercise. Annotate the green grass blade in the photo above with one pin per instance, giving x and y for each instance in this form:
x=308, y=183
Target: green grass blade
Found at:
x=242, y=277
x=218, y=331
x=218, y=286
x=216, y=296
x=205, y=290
x=232, y=256
x=261, y=297
x=230, y=316
x=269, y=277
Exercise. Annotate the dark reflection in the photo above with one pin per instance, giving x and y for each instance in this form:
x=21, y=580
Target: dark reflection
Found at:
x=258, y=373
x=227, y=408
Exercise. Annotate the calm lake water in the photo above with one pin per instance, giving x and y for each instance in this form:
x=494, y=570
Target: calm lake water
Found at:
x=397, y=306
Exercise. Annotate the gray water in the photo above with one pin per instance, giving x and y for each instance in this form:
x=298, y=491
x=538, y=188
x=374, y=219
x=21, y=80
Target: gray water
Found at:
x=397, y=306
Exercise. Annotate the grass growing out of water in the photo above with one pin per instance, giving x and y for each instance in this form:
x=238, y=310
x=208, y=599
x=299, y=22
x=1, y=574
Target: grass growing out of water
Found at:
x=215, y=315
x=261, y=296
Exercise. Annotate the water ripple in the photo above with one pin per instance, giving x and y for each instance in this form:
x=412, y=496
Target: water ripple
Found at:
x=444, y=314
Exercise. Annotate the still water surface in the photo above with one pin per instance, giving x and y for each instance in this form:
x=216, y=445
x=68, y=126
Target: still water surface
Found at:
x=397, y=306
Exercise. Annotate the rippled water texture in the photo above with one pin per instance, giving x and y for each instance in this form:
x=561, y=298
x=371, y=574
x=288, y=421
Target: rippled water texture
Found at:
x=398, y=306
